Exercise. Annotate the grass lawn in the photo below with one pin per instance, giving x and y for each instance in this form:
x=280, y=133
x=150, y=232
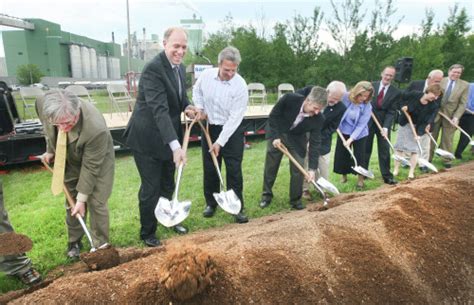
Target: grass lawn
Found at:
x=35, y=212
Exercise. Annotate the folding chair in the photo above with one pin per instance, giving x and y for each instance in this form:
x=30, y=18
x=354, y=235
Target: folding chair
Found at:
x=118, y=94
x=257, y=94
x=29, y=96
x=81, y=92
x=285, y=88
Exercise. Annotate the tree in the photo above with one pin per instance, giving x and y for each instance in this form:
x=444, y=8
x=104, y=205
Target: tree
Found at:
x=28, y=74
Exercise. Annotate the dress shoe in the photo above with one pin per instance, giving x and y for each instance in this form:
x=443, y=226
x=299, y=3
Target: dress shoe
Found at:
x=424, y=169
x=459, y=157
x=447, y=165
x=30, y=277
x=241, y=218
x=152, y=242
x=74, y=250
x=209, y=211
x=390, y=181
x=180, y=229
x=297, y=206
x=264, y=203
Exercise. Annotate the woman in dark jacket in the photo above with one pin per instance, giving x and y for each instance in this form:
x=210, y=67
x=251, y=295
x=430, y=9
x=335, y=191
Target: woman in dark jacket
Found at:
x=422, y=108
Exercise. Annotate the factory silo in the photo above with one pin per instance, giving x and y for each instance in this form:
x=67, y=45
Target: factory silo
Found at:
x=76, y=61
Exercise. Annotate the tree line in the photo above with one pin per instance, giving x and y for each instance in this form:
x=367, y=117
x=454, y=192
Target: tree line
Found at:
x=295, y=53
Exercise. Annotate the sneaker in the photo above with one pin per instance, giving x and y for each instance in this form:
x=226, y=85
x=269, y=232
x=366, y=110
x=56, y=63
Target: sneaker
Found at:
x=30, y=277
x=74, y=250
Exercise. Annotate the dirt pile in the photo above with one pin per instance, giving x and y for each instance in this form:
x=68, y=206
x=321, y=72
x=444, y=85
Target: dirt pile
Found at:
x=410, y=243
x=13, y=243
x=101, y=259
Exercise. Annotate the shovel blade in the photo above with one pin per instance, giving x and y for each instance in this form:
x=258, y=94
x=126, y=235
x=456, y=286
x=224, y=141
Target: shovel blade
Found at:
x=364, y=172
x=170, y=213
x=427, y=164
x=402, y=160
x=444, y=154
x=472, y=142
x=228, y=201
x=327, y=186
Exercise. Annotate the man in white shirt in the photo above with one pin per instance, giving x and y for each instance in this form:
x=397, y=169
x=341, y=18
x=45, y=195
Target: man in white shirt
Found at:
x=221, y=95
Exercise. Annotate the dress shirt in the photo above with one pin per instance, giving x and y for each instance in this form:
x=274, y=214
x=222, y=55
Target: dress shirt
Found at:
x=355, y=119
x=300, y=117
x=224, y=102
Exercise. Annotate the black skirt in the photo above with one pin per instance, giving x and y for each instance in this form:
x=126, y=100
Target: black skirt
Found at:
x=343, y=160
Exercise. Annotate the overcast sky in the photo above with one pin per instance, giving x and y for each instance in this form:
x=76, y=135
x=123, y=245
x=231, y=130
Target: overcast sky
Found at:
x=97, y=19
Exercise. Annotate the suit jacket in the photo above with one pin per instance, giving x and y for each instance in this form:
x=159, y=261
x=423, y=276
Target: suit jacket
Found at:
x=390, y=101
x=420, y=114
x=455, y=105
x=281, y=119
x=90, y=155
x=156, y=117
x=419, y=85
x=332, y=118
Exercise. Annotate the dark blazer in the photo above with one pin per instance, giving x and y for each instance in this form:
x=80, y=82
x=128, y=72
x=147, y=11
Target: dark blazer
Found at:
x=386, y=113
x=281, y=118
x=332, y=118
x=156, y=118
x=419, y=85
x=420, y=114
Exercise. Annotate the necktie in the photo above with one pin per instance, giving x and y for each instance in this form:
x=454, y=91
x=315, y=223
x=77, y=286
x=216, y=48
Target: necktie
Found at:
x=448, y=91
x=380, y=97
x=176, y=74
x=59, y=163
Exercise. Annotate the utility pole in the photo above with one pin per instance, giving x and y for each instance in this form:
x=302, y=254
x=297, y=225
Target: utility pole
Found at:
x=129, y=41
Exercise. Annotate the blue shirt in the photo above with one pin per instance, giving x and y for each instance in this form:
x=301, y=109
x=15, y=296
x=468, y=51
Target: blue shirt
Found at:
x=355, y=119
x=470, y=98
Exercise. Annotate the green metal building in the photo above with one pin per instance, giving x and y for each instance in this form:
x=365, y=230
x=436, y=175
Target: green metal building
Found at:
x=194, y=27
x=55, y=52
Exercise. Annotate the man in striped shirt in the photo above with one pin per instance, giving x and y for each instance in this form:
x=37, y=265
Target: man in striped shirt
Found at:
x=221, y=95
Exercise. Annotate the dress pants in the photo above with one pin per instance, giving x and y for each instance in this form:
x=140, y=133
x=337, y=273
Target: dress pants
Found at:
x=383, y=150
x=272, y=164
x=157, y=180
x=232, y=153
x=447, y=135
x=11, y=264
x=467, y=124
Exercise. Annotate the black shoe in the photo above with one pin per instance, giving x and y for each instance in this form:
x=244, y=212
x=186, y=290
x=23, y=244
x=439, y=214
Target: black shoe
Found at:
x=209, y=211
x=390, y=181
x=180, y=229
x=264, y=203
x=241, y=218
x=424, y=169
x=459, y=157
x=152, y=242
x=30, y=277
x=297, y=206
x=447, y=165
x=74, y=250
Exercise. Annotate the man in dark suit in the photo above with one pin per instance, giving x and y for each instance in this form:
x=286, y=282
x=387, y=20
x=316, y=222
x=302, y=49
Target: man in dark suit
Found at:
x=154, y=130
x=434, y=77
x=384, y=105
x=290, y=120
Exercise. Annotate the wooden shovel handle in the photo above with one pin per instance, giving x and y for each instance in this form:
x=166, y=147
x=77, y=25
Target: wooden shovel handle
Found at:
x=450, y=122
x=376, y=121
x=209, y=143
x=285, y=151
x=70, y=201
x=342, y=137
x=411, y=123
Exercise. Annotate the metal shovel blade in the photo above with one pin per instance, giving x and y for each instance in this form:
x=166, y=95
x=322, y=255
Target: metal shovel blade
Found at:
x=364, y=172
x=170, y=213
x=228, y=201
x=402, y=160
x=471, y=143
x=444, y=154
x=427, y=164
x=327, y=186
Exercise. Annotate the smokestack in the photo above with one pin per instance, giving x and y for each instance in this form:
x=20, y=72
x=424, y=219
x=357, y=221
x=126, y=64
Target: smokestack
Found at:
x=113, y=37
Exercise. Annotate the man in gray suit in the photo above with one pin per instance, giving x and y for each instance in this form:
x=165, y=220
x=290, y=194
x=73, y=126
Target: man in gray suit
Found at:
x=453, y=105
x=154, y=130
x=90, y=160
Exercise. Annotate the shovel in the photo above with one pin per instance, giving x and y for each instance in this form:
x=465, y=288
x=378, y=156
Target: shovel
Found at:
x=460, y=129
x=421, y=161
x=285, y=151
x=441, y=152
x=395, y=156
x=71, y=205
x=227, y=200
x=170, y=213
x=357, y=168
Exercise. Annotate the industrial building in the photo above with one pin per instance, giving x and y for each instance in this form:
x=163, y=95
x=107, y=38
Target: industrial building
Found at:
x=61, y=54
x=195, y=28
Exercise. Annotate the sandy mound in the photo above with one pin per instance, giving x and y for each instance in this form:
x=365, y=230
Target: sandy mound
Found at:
x=410, y=243
x=13, y=243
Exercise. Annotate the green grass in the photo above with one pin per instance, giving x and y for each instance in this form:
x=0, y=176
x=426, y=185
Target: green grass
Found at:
x=35, y=212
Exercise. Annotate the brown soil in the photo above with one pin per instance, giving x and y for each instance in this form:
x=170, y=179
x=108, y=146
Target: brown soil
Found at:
x=411, y=243
x=13, y=243
x=101, y=259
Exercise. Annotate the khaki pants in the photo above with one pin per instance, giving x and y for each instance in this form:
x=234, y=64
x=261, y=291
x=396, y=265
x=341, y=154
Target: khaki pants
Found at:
x=323, y=167
x=447, y=135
